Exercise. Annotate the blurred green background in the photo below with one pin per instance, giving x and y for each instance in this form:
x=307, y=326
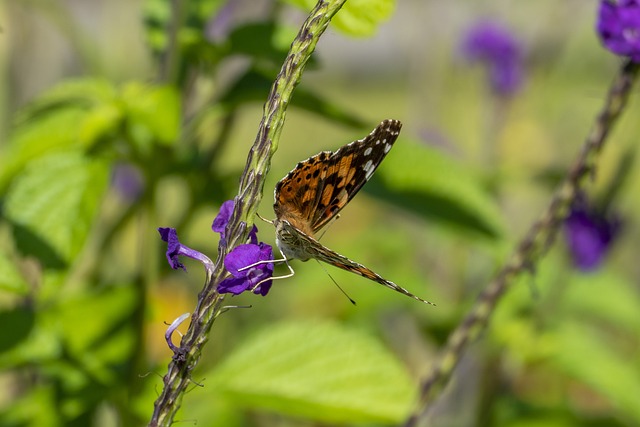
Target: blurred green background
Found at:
x=119, y=117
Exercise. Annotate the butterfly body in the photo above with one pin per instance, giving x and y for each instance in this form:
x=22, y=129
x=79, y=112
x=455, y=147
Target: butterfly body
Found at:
x=313, y=193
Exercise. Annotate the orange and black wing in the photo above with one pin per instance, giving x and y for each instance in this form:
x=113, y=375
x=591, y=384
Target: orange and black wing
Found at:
x=350, y=168
x=319, y=187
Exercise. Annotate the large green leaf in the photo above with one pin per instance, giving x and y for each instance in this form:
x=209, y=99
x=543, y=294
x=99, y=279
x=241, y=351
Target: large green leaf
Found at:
x=106, y=340
x=320, y=371
x=72, y=115
x=50, y=133
x=52, y=204
x=424, y=181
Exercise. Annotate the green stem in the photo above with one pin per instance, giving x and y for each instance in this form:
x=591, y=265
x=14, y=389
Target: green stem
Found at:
x=252, y=181
x=533, y=246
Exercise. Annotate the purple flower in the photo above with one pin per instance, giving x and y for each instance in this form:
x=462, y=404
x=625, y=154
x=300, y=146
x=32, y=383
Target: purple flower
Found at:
x=589, y=234
x=243, y=256
x=254, y=278
x=175, y=249
x=619, y=27
x=222, y=219
x=127, y=180
x=491, y=43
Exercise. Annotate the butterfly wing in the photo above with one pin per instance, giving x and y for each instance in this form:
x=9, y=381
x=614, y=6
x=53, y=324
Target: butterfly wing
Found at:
x=297, y=194
x=307, y=247
x=319, y=187
x=349, y=168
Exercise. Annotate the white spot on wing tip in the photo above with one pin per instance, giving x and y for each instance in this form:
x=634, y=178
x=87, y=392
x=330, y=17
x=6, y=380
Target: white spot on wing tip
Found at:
x=368, y=168
x=387, y=148
x=368, y=151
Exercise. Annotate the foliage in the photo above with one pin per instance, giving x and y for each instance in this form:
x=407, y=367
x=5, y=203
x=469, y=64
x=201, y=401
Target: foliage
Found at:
x=85, y=291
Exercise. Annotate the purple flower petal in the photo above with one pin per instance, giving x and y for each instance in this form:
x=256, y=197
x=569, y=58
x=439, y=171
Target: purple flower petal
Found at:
x=253, y=235
x=506, y=78
x=241, y=256
x=589, y=235
x=128, y=181
x=170, y=236
x=491, y=43
x=619, y=27
x=248, y=279
x=176, y=249
x=233, y=285
x=222, y=219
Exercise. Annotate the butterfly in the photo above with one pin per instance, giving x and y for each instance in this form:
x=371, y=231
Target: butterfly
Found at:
x=313, y=193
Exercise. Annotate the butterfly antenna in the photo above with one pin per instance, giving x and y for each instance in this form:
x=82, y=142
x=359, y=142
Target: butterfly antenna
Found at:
x=264, y=219
x=336, y=283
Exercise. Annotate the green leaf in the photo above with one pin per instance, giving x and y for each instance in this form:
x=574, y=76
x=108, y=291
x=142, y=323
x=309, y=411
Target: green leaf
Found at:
x=424, y=181
x=53, y=132
x=153, y=111
x=587, y=355
x=78, y=93
x=20, y=322
x=98, y=123
x=51, y=205
x=254, y=86
x=72, y=115
x=97, y=329
x=10, y=278
x=258, y=41
x=357, y=18
x=607, y=297
x=35, y=408
x=320, y=371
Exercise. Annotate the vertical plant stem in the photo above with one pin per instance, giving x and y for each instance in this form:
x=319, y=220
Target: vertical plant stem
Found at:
x=535, y=244
x=210, y=302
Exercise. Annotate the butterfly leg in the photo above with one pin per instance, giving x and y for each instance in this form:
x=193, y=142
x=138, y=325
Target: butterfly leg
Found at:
x=269, y=261
x=285, y=260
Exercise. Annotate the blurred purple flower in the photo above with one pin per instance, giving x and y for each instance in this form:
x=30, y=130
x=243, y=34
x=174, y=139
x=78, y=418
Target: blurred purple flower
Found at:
x=254, y=278
x=127, y=180
x=619, y=27
x=589, y=234
x=176, y=249
x=219, y=26
x=491, y=43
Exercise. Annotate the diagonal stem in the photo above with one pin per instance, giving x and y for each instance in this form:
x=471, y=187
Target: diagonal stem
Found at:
x=535, y=244
x=252, y=181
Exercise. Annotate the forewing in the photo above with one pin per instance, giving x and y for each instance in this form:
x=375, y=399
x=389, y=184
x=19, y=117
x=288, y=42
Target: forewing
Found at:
x=298, y=193
x=348, y=169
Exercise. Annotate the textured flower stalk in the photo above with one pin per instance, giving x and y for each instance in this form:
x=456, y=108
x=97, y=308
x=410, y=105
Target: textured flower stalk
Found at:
x=210, y=302
x=533, y=246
